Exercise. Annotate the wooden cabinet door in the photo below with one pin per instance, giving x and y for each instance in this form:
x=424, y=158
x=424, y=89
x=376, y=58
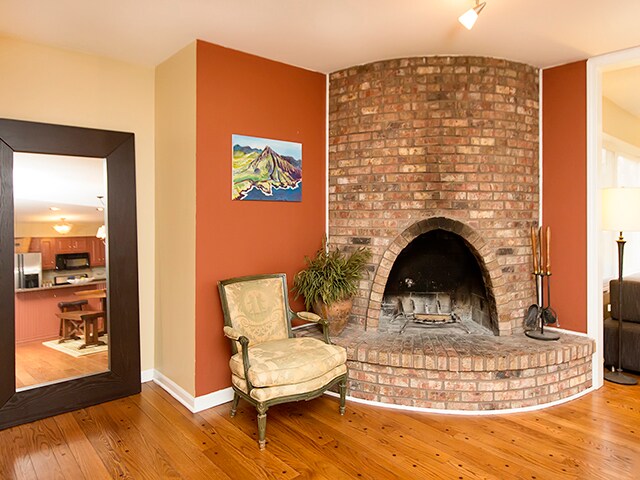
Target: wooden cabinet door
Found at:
x=79, y=244
x=63, y=245
x=97, y=252
x=47, y=248
x=35, y=245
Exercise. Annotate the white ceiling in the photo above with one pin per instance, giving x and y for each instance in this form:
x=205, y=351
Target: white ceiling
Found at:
x=328, y=35
x=71, y=184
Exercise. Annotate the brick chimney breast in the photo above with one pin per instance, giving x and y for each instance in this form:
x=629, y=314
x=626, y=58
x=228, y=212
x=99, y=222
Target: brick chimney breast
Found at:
x=442, y=142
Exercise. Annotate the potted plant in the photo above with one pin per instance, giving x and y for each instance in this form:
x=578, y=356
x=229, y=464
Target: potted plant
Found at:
x=329, y=283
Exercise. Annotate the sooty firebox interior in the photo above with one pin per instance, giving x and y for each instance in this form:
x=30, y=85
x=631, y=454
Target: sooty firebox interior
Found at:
x=436, y=282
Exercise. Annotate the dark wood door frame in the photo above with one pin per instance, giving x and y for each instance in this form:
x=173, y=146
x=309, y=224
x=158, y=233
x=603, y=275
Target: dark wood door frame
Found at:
x=123, y=377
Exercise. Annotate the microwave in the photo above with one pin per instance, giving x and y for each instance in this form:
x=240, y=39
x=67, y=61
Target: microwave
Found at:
x=72, y=261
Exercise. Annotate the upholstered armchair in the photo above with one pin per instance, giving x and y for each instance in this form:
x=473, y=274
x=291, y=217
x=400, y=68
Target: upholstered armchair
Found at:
x=269, y=365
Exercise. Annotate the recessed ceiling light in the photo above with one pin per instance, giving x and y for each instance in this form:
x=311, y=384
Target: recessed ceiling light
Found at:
x=54, y=209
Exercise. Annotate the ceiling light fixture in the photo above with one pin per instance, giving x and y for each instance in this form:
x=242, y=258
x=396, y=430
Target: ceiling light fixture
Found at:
x=54, y=209
x=468, y=18
x=63, y=227
x=102, y=230
x=101, y=233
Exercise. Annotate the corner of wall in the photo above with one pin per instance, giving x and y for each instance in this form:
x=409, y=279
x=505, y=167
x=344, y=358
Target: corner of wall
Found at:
x=175, y=176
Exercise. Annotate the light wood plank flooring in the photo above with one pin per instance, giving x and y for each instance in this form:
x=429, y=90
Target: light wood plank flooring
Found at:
x=37, y=364
x=150, y=436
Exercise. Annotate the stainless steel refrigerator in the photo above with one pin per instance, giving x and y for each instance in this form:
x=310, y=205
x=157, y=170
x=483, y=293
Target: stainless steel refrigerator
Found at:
x=28, y=270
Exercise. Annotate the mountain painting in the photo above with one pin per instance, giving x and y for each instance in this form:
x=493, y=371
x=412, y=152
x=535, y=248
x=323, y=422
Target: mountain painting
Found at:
x=265, y=169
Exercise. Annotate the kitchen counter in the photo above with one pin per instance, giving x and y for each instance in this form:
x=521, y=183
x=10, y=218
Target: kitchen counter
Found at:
x=59, y=287
x=36, y=308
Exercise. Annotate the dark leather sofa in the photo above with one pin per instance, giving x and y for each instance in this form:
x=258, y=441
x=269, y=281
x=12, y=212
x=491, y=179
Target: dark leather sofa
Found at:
x=630, y=326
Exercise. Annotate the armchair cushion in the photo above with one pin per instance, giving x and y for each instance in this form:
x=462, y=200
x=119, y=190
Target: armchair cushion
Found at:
x=288, y=361
x=269, y=393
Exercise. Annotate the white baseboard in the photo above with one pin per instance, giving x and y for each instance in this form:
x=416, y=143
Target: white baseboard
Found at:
x=193, y=404
x=464, y=412
x=212, y=399
x=146, y=376
x=568, y=332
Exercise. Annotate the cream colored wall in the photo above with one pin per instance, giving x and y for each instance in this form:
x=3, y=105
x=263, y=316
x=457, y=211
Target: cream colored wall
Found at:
x=51, y=85
x=620, y=123
x=37, y=229
x=176, y=217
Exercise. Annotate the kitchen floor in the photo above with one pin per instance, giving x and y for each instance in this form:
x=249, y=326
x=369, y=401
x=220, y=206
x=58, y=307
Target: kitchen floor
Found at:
x=37, y=364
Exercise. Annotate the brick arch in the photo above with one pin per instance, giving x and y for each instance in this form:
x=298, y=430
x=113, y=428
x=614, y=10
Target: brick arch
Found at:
x=491, y=271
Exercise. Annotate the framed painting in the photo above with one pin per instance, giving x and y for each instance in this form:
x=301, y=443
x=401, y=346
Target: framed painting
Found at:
x=266, y=169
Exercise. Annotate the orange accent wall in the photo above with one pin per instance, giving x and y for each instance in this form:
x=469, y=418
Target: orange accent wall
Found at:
x=244, y=94
x=564, y=188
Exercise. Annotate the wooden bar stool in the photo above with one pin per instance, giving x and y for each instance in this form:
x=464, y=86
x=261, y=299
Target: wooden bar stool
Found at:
x=69, y=328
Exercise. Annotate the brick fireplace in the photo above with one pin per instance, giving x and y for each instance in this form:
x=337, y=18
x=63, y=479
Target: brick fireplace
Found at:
x=437, y=142
x=444, y=147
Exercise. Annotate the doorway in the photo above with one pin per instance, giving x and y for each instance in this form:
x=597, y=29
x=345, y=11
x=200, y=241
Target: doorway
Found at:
x=597, y=68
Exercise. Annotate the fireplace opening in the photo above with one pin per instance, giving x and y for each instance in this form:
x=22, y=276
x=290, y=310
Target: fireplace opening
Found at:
x=437, y=285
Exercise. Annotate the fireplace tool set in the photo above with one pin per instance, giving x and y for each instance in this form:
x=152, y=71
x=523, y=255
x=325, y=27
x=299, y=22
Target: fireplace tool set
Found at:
x=538, y=315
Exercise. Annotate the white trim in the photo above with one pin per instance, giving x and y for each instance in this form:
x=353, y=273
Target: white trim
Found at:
x=596, y=66
x=616, y=145
x=212, y=399
x=568, y=332
x=193, y=404
x=470, y=413
x=146, y=375
x=540, y=147
x=326, y=159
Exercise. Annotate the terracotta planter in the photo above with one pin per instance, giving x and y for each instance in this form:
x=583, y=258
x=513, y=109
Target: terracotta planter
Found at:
x=337, y=314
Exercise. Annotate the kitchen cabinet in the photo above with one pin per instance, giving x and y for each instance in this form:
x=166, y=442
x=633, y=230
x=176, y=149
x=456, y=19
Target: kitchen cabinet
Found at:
x=97, y=252
x=46, y=247
x=50, y=247
x=71, y=244
x=48, y=254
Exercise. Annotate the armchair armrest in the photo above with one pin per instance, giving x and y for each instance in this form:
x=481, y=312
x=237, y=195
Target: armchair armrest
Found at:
x=313, y=319
x=233, y=334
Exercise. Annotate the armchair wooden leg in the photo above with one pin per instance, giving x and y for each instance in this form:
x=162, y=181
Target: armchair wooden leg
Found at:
x=262, y=425
x=343, y=395
x=234, y=405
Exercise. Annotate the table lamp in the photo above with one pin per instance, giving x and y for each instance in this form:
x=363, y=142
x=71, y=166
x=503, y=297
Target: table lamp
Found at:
x=620, y=212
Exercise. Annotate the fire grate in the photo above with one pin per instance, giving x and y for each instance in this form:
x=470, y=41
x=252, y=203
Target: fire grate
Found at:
x=427, y=309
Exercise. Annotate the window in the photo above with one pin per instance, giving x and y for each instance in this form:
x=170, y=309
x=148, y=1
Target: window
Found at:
x=619, y=167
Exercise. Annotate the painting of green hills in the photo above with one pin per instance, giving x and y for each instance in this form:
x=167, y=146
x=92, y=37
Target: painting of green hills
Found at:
x=266, y=169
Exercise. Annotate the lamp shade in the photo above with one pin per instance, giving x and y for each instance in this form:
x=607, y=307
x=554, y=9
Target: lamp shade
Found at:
x=621, y=209
x=468, y=18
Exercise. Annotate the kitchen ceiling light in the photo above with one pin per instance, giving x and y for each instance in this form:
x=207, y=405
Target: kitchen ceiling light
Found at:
x=468, y=18
x=54, y=209
x=63, y=227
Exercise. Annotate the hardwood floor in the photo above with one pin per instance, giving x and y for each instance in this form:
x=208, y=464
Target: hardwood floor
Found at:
x=37, y=364
x=150, y=436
